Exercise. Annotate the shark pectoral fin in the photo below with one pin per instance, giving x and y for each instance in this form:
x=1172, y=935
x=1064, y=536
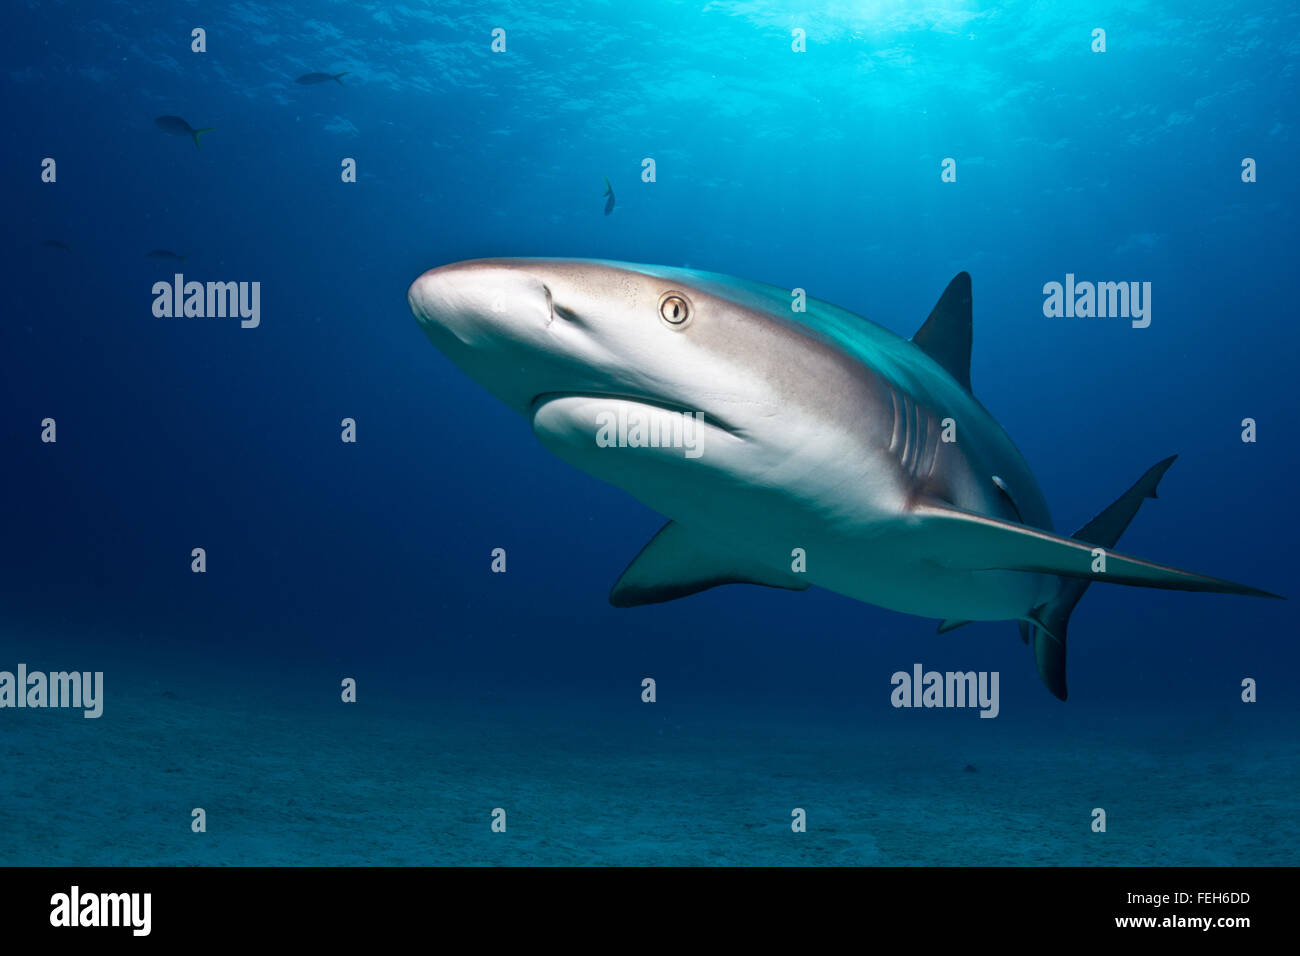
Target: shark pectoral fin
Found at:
x=978, y=542
x=676, y=563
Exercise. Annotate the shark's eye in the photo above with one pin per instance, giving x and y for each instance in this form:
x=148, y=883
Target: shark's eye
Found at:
x=674, y=309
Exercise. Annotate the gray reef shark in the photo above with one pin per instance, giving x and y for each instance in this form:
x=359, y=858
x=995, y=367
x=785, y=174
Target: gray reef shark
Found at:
x=827, y=449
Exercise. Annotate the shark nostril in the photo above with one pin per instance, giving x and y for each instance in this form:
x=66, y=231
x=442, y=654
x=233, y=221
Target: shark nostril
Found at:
x=554, y=310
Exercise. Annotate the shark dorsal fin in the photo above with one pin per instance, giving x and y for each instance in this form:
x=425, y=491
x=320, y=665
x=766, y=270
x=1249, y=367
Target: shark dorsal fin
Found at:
x=946, y=334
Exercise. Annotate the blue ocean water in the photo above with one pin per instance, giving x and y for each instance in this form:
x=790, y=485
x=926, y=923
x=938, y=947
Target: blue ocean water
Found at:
x=818, y=169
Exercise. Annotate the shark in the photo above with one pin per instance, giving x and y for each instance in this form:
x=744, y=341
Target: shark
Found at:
x=829, y=451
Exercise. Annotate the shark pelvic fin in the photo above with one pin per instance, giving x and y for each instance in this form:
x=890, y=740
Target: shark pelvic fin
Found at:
x=946, y=334
x=676, y=563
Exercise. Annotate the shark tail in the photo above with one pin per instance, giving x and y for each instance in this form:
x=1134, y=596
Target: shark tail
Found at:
x=1048, y=623
x=196, y=132
x=338, y=77
x=987, y=543
x=609, y=190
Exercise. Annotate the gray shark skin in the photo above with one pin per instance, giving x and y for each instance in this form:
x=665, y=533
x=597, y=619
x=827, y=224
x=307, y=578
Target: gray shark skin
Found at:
x=820, y=431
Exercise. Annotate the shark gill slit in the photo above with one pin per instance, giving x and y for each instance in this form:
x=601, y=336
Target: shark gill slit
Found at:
x=907, y=432
x=926, y=470
x=894, y=436
x=922, y=441
x=913, y=437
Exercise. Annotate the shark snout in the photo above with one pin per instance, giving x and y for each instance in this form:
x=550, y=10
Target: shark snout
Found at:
x=481, y=301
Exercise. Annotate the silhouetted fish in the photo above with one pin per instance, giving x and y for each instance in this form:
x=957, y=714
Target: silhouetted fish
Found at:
x=307, y=79
x=56, y=244
x=609, y=191
x=164, y=254
x=178, y=127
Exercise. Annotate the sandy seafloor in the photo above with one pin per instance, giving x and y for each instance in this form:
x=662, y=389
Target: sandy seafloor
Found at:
x=289, y=776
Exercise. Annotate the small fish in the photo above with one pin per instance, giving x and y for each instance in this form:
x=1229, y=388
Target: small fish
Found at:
x=178, y=127
x=56, y=244
x=310, y=79
x=971, y=768
x=609, y=191
x=164, y=254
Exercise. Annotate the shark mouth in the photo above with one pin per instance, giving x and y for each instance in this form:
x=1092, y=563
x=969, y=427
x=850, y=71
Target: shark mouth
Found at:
x=705, y=417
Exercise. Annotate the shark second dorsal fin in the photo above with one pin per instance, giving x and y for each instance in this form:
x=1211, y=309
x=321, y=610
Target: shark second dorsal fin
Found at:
x=946, y=334
x=676, y=563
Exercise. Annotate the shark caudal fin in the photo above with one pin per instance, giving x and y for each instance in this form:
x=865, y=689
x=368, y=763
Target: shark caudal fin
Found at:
x=980, y=542
x=1048, y=623
x=338, y=77
x=197, y=132
x=1047, y=632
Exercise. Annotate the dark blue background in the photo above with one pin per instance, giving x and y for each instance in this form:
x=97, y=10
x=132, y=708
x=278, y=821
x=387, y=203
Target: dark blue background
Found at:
x=818, y=170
